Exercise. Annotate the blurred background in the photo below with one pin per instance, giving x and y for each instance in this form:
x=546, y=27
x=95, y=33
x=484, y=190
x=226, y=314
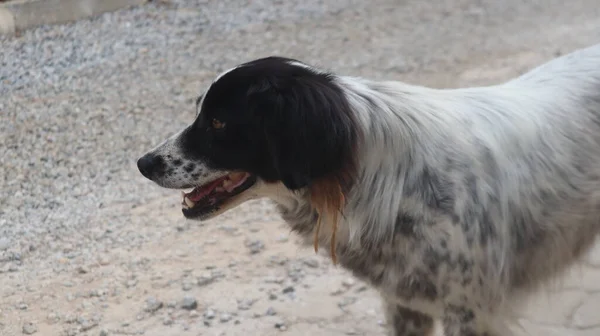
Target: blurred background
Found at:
x=90, y=247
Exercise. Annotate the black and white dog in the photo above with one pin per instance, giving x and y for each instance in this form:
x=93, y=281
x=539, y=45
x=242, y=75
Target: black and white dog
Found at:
x=452, y=203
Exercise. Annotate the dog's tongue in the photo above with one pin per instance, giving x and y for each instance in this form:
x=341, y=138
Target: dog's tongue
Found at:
x=200, y=192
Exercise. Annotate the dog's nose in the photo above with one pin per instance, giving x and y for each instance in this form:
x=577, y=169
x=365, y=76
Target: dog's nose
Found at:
x=149, y=164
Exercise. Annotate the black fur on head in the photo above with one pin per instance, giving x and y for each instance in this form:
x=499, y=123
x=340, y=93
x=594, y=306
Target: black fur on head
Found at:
x=283, y=122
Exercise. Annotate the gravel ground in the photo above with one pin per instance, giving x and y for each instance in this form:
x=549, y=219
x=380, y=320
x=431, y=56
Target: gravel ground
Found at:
x=88, y=247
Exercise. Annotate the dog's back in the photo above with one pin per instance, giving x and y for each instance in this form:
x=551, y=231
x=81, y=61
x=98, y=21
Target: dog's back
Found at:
x=538, y=140
x=556, y=176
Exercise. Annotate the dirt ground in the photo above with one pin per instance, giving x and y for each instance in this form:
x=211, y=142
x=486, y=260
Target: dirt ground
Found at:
x=133, y=266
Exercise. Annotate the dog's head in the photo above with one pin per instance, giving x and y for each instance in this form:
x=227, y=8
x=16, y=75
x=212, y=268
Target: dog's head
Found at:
x=268, y=126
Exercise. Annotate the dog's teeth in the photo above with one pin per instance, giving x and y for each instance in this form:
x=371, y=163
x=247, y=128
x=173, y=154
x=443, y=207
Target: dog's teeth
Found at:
x=226, y=183
x=189, y=202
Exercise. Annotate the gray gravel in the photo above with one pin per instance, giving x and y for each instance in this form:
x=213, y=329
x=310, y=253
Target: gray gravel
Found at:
x=80, y=102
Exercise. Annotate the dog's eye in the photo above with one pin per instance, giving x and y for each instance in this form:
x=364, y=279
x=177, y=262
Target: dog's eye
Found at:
x=216, y=124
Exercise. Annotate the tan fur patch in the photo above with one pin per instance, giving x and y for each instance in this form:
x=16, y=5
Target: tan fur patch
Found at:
x=328, y=199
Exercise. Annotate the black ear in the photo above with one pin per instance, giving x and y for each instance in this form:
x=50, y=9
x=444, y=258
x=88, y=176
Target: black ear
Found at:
x=308, y=125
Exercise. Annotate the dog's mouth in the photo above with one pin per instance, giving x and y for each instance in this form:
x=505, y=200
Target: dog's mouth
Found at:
x=210, y=197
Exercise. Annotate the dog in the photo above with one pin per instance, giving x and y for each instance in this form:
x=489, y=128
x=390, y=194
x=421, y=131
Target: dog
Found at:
x=452, y=203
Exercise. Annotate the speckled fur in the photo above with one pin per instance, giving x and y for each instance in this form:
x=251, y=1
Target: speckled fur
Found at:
x=464, y=199
x=469, y=197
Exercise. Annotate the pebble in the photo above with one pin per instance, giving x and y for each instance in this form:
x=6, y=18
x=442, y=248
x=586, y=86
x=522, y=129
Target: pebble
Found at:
x=4, y=243
x=338, y=291
x=103, y=260
x=225, y=318
x=103, y=332
x=282, y=239
x=52, y=318
x=186, y=286
x=255, y=246
x=209, y=314
x=10, y=268
x=245, y=304
x=189, y=303
x=270, y=312
x=349, y=282
x=152, y=305
x=281, y=326
x=275, y=280
x=288, y=289
x=88, y=324
x=29, y=328
x=206, y=279
x=313, y=263
x=346, y=302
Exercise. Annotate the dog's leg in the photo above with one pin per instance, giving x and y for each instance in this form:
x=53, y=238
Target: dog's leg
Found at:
x=462, y=321
x=405, y=322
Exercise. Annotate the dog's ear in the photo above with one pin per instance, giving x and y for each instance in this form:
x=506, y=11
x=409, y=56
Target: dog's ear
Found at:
x=308, y=127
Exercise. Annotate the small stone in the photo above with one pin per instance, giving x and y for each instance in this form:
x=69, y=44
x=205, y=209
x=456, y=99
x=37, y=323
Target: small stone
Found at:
x=87, y=325
x=52, y=318
x=348, y=282
x=131, y=283
x=29, y=328
x=194, y=314
x=186, y=286
x=245, y=304
x=152, y=305
x=255, y=246
x=272, y=296
x=70, y=318
x=281, y=326
x=189, y=303
x=103, y=332
x=209, y=314
x=338, y=291
x=23, y=306
x=10, y=267
x=168, y=321
x=225, y=318
x=282, y=239
x=205, y=280
x=275, y=280
x=313, y=263
x=361, y=289
x=270, y=312
x=83, y=270
x=4, y=243
x=346, y=302
x=103, y=260
x=288, y=289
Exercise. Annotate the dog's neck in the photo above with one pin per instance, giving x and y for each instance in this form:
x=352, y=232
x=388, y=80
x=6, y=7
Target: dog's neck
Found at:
x=389, y=153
